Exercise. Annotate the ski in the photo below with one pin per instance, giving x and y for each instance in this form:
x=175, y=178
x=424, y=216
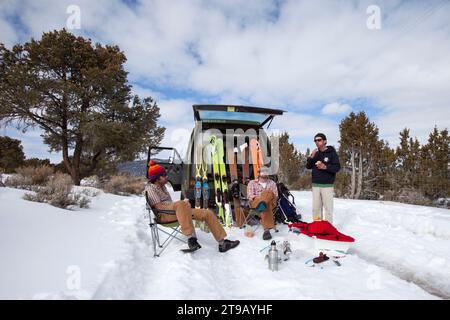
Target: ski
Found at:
x=245, y=164
x=224, y=183
x=235, y=191
x=245, y=174
x=217, y=179
x=198, y=177
x=257, y=158
x=205, y=183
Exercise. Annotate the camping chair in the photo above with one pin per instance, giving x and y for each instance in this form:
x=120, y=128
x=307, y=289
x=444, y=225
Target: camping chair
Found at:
x=252, y=213
x=155, y=228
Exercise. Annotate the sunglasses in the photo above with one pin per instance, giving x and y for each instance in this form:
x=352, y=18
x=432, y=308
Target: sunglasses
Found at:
x=316, y=140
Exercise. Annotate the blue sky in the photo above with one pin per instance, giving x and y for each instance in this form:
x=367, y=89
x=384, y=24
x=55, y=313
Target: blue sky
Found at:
x=316, y=59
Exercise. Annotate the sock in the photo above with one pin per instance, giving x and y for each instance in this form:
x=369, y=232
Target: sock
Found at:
x=221, y=242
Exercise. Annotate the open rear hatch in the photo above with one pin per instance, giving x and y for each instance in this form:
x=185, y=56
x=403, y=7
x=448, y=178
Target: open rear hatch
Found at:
x=244, y=115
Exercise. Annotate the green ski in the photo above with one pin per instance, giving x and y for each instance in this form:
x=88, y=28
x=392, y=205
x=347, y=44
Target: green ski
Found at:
x=217, y=178
x=224, y=183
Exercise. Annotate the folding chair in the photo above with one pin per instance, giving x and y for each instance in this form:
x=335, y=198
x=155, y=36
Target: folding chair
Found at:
x=155, y=223
x=251, y=213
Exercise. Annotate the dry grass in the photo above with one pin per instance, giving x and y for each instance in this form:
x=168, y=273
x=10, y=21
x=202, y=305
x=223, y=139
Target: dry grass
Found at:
x=19, y=181
x=125, y=185
x=30, y=177
x=58, y=192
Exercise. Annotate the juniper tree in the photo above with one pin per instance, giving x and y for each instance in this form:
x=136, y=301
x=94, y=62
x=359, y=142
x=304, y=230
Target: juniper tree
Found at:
x=290, y=161
x=358, y=138
x=11, y=154
x=78, y=94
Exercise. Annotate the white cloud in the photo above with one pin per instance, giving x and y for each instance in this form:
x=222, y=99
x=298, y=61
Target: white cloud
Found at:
x=302, y=128
x=248, y=52
x=336, y=108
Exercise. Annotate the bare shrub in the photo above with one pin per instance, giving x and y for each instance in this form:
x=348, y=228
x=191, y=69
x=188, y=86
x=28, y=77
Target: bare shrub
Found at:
x=92, y=181
x=125, y=185
x=90, y=192
x=19, y=181
x=58, y=192
x=413, y=197
x=83, y=202
x=39, y=175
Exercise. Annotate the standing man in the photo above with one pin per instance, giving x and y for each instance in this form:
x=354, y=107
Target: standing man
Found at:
x=262, y=194
x=160, y=199
x=324, y=163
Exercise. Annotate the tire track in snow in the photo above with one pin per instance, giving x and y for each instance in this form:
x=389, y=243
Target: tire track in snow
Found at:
x=406, y=257
x=402, y=273
x=126, y=279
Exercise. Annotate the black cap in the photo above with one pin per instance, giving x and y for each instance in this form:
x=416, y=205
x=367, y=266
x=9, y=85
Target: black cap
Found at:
x=320, y=135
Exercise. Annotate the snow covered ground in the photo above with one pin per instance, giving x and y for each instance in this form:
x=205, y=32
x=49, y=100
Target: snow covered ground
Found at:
x=104, y=252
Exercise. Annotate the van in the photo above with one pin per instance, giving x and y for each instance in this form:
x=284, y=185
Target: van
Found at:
x=236, y=125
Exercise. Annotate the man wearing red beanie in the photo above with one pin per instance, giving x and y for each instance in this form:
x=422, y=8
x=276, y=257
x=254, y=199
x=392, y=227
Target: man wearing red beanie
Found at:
x=160, y=199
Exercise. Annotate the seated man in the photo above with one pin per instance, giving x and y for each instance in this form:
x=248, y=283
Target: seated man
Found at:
x=160, y=199
x=262, y=194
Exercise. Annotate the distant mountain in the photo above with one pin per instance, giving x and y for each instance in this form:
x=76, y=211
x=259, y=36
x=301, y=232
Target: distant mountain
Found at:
x=134, y=168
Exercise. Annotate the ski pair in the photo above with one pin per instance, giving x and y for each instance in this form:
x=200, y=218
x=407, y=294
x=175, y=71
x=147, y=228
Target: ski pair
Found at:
x=257, y=157
x=220, y=177
x=235, y=187
x=201, y=179
x=238, y=189
x=254, y=149
x=220, y=181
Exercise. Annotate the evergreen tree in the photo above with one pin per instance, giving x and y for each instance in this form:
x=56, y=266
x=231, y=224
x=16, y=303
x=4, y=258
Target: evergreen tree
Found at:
x=435, y=164
x=290, y=162
x=78, y=94
x=358, y=140
x=408, y=161
x=11, y=154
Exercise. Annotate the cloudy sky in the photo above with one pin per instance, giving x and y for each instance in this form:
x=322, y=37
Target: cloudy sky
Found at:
x=318, y=60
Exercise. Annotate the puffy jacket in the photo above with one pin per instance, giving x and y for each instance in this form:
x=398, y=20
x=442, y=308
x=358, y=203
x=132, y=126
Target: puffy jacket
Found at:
x=322, y=230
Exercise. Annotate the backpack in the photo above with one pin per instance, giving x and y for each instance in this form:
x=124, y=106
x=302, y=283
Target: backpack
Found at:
x=286, y=210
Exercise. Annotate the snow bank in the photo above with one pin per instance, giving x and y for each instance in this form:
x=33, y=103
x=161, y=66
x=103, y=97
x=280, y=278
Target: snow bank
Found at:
x=242, y=273
x=43, y=247
x=411, y=241
x=401, y=252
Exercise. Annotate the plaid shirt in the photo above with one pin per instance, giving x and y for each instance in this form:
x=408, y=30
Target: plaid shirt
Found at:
x=157, y=194
x=254, y=188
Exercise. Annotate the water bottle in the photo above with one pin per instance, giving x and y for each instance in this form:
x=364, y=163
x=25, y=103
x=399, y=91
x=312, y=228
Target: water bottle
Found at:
x=272, y=257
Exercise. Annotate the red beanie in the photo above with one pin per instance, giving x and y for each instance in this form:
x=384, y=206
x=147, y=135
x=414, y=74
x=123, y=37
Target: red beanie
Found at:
x=155, y=171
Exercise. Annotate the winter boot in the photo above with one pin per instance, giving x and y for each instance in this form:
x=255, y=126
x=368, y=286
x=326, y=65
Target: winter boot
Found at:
x=267, y=235
x=227, y=245
x=193, y=244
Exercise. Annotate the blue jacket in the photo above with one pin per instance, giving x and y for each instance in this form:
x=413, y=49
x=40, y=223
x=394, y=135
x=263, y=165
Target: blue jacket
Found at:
x=330, y=158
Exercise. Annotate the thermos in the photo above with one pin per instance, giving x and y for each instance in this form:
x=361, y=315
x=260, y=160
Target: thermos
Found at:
x=272, y=257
